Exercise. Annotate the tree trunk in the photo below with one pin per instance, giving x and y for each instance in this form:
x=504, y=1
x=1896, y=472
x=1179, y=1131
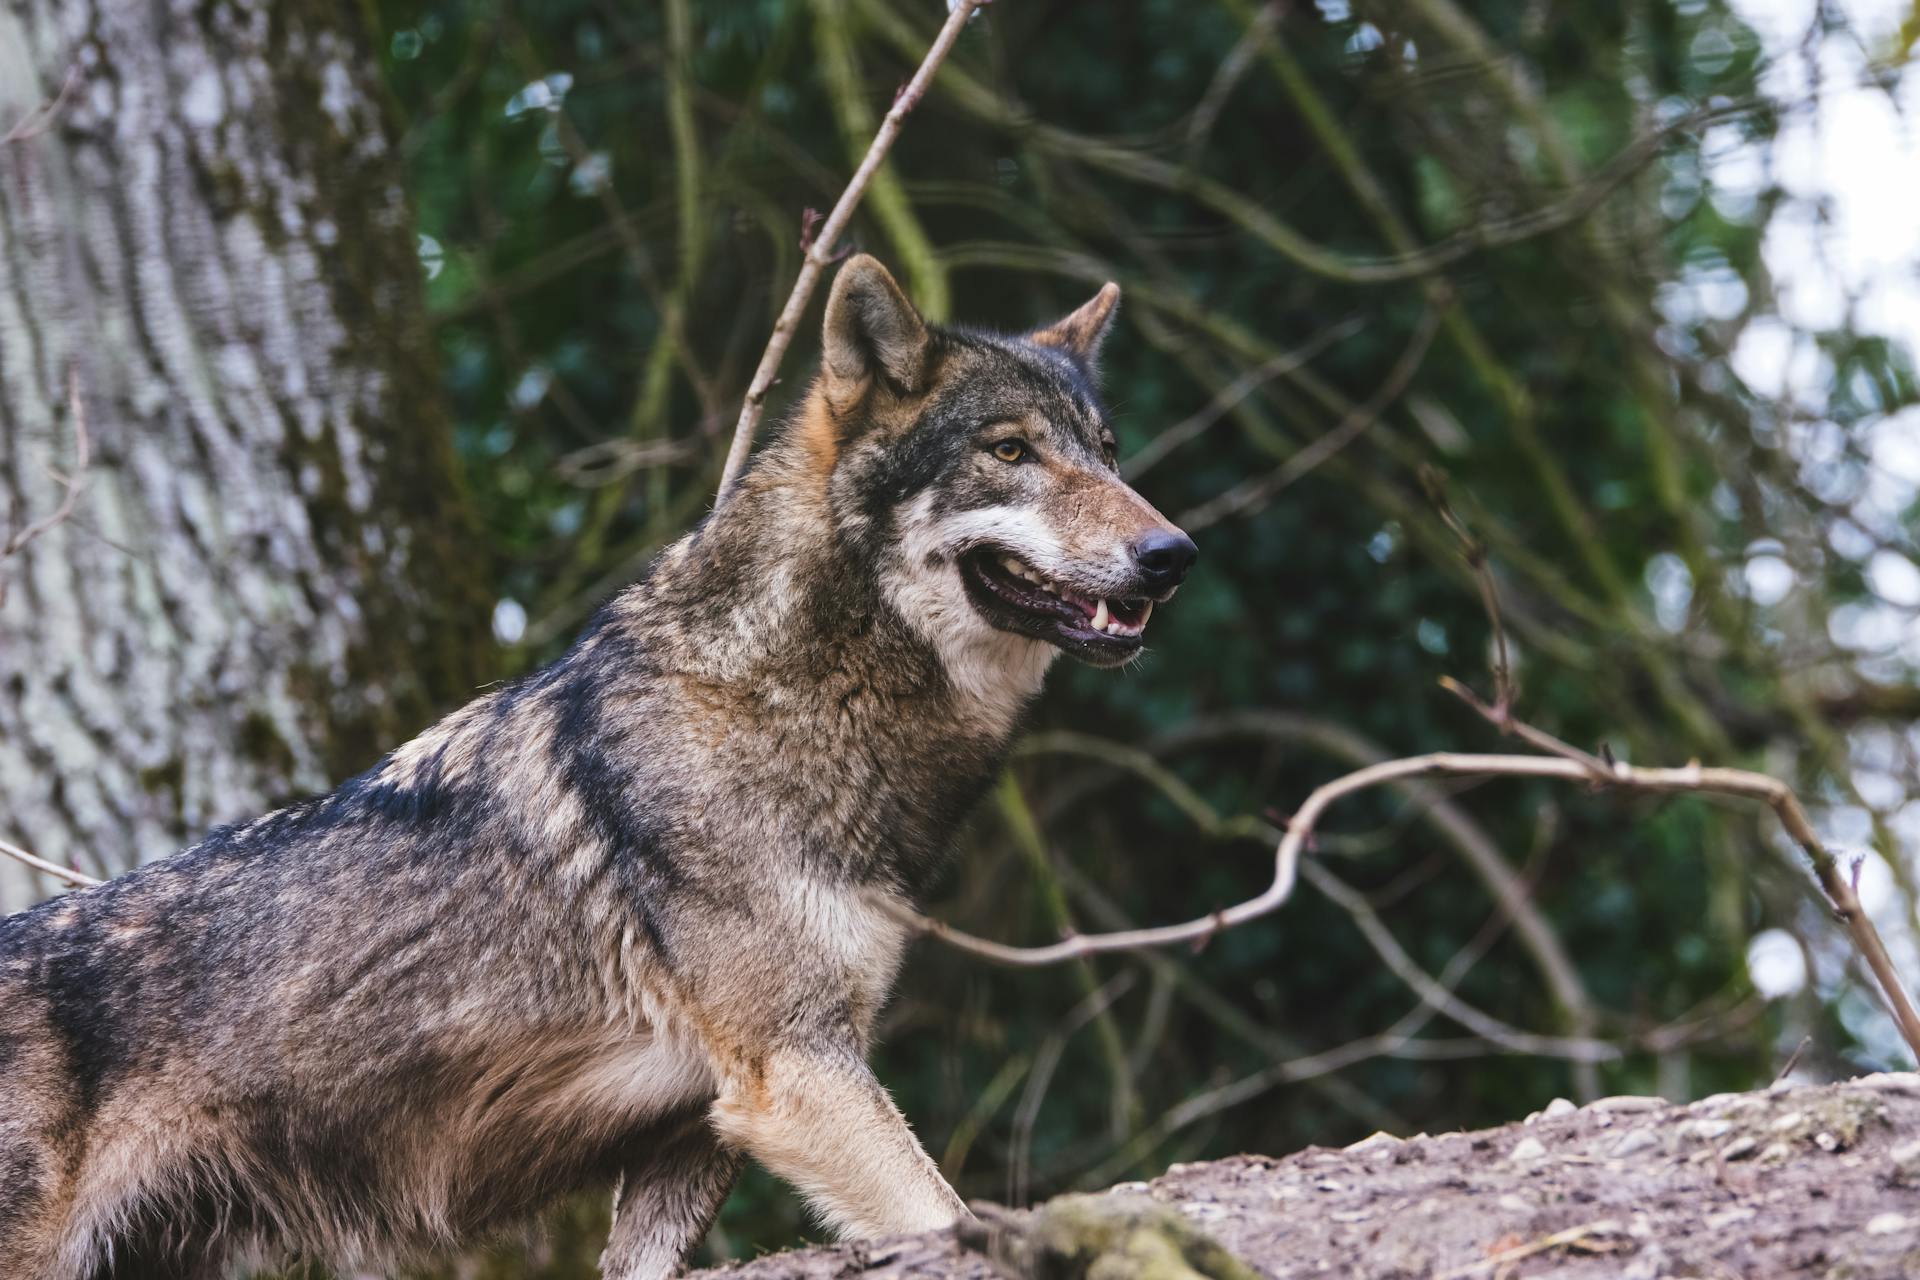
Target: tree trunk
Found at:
x=268, y=575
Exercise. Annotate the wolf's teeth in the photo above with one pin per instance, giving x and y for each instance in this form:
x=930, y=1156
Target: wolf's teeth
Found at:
x=1100, y=617
x=1145, y=613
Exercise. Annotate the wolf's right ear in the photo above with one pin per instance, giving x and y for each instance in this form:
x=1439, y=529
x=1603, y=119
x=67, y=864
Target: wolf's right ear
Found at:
x=1081, y=332
x=872, y=329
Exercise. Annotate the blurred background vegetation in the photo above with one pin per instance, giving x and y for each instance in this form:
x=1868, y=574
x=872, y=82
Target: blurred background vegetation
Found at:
x=1521, y=247
x=1572, y=266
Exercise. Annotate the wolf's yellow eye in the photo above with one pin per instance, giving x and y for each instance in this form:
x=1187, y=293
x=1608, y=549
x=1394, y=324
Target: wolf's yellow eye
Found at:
x=1010, y=450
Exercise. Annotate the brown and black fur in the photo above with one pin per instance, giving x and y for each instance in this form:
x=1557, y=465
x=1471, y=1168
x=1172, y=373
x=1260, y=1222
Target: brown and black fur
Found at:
x=618, y=924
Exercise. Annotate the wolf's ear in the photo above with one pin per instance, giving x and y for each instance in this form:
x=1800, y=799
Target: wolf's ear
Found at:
x=1080, y=334
x=871, y=328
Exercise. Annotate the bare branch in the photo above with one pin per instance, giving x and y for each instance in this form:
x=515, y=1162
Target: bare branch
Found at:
x=1345, y=432
x=1439, y=995
x=1231, y=395
x=820, y=247
x=40, y=119
x=1227, y=78
x=73, y=484
x=68, y=874
x=1691, y=779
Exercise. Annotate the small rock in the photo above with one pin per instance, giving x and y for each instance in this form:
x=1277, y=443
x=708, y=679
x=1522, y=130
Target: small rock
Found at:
x=1775, y=1153
x=1887, y=1224
x=1513, y=1204
x=1527, y=1149
x=1739, y=1148
x=1787, y=1120
x=1626, y=1104
x=1906, y=1163
x=1328, y=1184
x=1889, y=1082
x=1557, y=1108
x=1122, y=1187
x=1729, y=1217
x=1352, y=1215
x=1706, y=1130
x=1826, y=1141
x=1716, y=1100
x=1373, y=1144
x=1634, y=1140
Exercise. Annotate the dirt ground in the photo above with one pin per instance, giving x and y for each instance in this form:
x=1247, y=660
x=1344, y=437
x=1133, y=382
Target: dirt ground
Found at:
x=1814, y=1180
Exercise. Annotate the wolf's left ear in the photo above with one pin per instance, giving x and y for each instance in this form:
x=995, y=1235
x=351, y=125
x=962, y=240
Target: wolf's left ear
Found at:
x=1080, y=334
x=871, y=328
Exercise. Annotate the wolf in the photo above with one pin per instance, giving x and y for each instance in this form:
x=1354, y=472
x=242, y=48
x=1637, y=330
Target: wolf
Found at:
x=627, y=921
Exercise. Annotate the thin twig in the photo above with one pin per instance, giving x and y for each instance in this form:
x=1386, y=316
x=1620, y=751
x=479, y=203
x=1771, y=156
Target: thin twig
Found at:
x=40, y=119
x=1793, y=1059
x=1501, y=716
x=1572, y=1237
x=1045, y=1062
x=820, y=252
x=1231, y=395
x=72, y=485
x=1227, y=78
x=1433, y=483
x=68, y=874
x=1505, y=691
x=1440, y=995
x=1358, y=419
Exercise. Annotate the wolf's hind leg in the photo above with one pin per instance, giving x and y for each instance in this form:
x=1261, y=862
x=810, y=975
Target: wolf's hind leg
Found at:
x=668, y=1197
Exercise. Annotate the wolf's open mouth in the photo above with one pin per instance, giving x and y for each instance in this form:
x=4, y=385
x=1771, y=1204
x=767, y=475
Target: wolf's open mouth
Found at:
x=1016, y=597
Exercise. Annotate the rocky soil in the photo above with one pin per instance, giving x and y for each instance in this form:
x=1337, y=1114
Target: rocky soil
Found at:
x=1811, y=1180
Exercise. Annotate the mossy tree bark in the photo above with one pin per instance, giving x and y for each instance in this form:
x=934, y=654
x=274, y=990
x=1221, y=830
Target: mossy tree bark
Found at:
x=268, y=576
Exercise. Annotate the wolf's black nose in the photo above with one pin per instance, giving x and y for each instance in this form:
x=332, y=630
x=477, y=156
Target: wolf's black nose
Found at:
x=1164, y=556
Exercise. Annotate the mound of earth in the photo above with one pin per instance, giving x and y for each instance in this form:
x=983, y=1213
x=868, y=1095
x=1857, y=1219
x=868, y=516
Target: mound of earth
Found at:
x=1809, y=1180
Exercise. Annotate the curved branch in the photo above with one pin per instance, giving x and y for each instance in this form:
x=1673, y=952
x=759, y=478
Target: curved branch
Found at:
x=820, y=250
x=1692, y=778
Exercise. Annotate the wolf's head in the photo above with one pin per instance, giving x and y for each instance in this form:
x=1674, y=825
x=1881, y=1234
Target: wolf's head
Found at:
x=977, y=470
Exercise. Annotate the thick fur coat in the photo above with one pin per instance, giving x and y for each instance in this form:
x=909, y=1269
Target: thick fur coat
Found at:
x=620, y=923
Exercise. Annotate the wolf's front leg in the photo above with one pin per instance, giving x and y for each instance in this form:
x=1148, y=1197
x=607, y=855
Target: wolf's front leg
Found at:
x=668, y=1196
x=818, y=1118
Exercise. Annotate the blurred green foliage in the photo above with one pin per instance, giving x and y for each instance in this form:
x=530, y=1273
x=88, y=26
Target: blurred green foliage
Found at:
x=610, y=200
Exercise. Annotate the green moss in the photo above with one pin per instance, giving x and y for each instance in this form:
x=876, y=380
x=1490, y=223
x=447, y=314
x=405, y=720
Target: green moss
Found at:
x=1109, y=1237
x=424, y=644
x=167, y=779
x=260, y=742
